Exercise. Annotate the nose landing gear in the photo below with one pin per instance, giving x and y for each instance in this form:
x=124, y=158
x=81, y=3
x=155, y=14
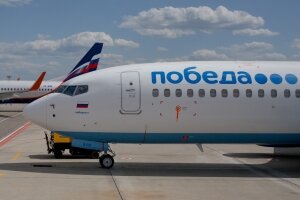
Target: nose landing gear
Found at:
x=106, y=160
x=106, y=155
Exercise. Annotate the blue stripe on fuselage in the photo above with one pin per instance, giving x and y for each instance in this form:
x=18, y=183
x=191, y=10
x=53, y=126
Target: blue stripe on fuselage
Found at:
x=165, y=138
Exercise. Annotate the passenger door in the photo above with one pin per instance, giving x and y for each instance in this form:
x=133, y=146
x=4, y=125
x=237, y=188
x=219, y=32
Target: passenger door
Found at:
x=130, y=93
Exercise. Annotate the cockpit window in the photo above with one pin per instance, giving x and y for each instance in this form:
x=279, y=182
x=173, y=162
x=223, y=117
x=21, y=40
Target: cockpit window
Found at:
x=81, y=89
x=72, y=90
x=61, y=88
x=69, y=90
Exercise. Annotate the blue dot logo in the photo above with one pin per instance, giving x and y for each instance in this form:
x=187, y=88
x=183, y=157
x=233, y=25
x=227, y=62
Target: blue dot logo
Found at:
x=261, y=78
x=291, y=79
x=276, y=79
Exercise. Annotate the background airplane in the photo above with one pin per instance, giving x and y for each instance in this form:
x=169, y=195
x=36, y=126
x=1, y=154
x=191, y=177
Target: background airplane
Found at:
x=19, y=92
x=179, y=102
x=9, y=89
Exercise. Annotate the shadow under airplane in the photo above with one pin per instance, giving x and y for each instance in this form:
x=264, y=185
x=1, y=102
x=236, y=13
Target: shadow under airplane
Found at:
x=288, y=167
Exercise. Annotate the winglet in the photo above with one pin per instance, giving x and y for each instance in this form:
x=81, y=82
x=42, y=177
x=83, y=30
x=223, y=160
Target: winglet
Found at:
x=36, y=85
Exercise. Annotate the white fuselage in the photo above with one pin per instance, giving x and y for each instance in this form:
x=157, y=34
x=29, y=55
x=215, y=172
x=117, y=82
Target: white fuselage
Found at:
x=132, y=104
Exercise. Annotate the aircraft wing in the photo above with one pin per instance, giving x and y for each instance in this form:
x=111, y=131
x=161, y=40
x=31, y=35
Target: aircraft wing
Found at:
x=7, y=95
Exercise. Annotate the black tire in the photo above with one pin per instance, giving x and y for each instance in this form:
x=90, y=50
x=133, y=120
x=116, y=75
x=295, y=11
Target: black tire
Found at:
x=106, y=161
x=58, y=154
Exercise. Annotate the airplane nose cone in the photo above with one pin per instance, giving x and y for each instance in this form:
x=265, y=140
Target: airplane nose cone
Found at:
x=36, y=112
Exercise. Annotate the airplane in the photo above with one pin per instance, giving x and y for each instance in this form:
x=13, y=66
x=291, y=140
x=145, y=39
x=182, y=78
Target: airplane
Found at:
x=194, y=102
x=11, y=89
x=18, y=92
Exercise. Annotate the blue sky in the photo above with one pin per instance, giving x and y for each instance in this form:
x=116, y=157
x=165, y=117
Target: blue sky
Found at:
x=37, y=35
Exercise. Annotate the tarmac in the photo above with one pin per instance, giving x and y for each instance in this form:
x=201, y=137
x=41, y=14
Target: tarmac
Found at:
x=179, y=171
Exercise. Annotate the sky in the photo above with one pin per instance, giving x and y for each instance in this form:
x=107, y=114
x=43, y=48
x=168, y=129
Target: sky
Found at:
x=52, y=36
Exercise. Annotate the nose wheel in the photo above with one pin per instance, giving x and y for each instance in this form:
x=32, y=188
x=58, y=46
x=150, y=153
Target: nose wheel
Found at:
x=106, y=161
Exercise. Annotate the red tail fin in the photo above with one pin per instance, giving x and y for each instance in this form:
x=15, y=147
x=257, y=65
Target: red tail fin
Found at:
x=36, y=85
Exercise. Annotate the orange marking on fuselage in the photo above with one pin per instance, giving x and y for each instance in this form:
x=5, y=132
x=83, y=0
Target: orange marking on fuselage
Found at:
x=178, y=109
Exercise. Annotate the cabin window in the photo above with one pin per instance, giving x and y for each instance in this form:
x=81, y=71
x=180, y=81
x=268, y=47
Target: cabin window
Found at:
x=190, y=92
x=213, y=93
x=261, y=93
x=178, y=92
x=287, y=93
x=167, y=92
x=224, y=93
x=70, y=90
x=81, y=89
x=155, y=92
x=273, y=93
x=248, y=93
x=201, y=93
x=236, y=93
x=297, y=93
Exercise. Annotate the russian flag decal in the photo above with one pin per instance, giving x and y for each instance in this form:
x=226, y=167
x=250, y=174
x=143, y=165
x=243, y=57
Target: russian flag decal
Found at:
x=83, y=105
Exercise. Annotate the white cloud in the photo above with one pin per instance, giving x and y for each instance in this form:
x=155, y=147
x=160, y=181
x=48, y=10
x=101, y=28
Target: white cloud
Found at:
x=83, y=39
x=113, y=56
x=296, y=56
x=166, y=32
x=86, y=39
x=43, y=36
x=257, y=46
x=162, y=49
x=296, y=43
x=173, y=22
x=110, y=60
x=272, y=56
x=253, y=51
x=42, y=45
x=249, y=51
x=207, y=54
x=14, y=2
x=254, y=32
x=67, y=44
x=59, y=55
x=126, y=43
